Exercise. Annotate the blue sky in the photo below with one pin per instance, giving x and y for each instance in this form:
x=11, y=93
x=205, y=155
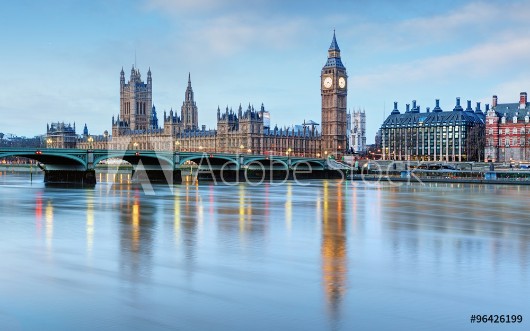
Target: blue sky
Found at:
x=60, y=60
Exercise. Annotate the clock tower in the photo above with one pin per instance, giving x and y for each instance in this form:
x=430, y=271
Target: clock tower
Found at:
x=333, y=89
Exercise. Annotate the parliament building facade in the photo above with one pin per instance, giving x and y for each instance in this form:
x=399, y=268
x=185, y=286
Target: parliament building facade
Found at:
x=245, y=130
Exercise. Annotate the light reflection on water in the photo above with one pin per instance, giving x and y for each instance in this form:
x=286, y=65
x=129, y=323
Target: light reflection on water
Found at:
x=325, y=256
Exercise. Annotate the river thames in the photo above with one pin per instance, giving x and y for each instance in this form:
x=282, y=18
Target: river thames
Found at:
x=327, y=256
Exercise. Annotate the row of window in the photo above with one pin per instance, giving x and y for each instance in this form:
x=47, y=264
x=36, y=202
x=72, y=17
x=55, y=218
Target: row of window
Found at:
x=508, y=130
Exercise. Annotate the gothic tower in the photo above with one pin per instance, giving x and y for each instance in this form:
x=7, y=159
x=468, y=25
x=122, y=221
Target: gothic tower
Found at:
x=334, y=90
x=135, y=101
x=189, y=113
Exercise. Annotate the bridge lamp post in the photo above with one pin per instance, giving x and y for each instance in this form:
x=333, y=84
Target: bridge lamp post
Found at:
x=49, y=142
x=318, y=155
x=249, y=151
x=177, y=146
x=200, y=148
x=325, y=154
x=90, y=140
x=241, y=147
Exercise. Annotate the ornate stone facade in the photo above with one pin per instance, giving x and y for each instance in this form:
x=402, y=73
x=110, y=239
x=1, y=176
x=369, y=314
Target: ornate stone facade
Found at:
x=242, y=131
x=334, y=91
x=357, y=131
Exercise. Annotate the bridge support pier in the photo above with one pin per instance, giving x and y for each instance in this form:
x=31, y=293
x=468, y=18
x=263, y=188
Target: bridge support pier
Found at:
x=159, y=176
x=75, y=177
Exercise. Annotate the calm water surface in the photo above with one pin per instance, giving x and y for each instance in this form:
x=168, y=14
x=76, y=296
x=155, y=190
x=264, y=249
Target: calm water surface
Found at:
x=328, y=256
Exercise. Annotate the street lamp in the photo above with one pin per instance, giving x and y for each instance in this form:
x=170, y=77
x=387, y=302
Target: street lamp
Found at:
x=241, y=147
x=90, y=140
x=49, y=142
x=318, y=155
x=177, y=146
x=249, y=151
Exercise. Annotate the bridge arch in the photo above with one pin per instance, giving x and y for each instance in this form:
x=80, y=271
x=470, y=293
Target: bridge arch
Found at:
x=265, y=161
x=314, y=164
x=217, y=160
x=49, y=157
x=133, y=158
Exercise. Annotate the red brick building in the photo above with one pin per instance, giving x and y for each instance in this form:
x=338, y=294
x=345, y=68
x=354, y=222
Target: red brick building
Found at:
x=507, y=131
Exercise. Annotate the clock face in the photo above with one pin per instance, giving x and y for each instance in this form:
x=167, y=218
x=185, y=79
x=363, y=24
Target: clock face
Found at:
x=328, y=82
x=342, y=82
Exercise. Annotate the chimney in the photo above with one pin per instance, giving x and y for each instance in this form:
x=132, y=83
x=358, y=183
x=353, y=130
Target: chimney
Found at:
x=428, y=109
x=458, y=107
x=407, y=108
x=413, y=104
x=477, y=109
x=522, y=100
x=468, y=108
x=395, y=110
x=487, y=107
x=203, y=127
x=494, y=102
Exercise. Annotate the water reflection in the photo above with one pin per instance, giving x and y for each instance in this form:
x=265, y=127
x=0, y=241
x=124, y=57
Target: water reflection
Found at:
x=137, y=223
x=49, y=225
x=90, y=221
x=334, y=249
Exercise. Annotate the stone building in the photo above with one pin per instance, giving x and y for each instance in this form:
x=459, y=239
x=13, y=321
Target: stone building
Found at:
x=507, y=131
x=435, y=135
x=357, y=131
x=246, y=130
x=60, y=135
x=334, y=92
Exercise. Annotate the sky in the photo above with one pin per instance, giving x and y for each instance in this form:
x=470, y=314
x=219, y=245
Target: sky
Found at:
x=61, y=60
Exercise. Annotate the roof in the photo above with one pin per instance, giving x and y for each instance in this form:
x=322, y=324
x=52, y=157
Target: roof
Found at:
x=433, y=118
x=511, y=110
x=334, y=46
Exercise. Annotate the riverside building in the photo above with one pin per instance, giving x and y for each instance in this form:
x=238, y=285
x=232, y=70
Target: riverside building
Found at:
x=435, y=135
x=245, y=130
x=507, y=131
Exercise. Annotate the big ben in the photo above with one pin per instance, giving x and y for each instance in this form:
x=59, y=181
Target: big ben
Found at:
x=334, y=90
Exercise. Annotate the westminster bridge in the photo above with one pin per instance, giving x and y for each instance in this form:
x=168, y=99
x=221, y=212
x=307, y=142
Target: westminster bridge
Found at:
x=78, y=165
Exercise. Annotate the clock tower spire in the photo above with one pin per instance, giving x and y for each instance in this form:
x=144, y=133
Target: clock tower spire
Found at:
x=334, y=90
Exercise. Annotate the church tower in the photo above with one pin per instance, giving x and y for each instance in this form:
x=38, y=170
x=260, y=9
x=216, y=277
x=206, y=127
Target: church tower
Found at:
x=334, y=90
x=189, y=113
x=136, y=102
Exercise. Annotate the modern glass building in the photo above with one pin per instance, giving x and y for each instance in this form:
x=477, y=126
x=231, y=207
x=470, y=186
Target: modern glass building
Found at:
x=435, y=135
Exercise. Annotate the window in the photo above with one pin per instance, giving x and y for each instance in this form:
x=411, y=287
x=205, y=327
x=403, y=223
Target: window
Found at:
x=491, y=120
x=514, y=130
x=507, y=131
x=515, y=119
x=503, y=120
x=490, y=132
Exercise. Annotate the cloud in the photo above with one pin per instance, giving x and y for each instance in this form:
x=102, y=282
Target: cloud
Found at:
x=473, y=22
x=482, y=60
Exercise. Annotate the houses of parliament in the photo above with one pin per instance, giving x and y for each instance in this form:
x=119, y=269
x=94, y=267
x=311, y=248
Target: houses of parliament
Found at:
x=245, y=130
